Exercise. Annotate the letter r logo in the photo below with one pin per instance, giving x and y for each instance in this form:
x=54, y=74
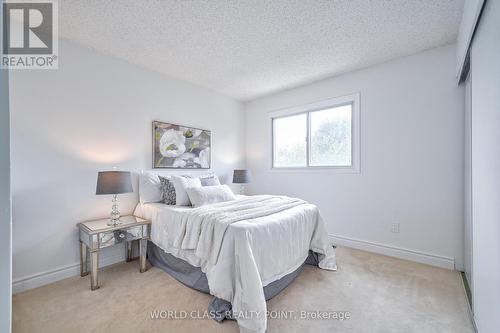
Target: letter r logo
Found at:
x=27, y=28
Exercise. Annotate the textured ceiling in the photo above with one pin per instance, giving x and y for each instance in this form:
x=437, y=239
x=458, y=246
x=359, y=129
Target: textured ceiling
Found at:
x=249, y=48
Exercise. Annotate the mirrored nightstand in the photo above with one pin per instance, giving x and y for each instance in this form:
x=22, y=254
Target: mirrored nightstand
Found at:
x=97, y=234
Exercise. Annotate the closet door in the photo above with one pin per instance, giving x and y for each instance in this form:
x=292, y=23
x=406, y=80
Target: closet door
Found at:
x=468, y=182
x=485, y=96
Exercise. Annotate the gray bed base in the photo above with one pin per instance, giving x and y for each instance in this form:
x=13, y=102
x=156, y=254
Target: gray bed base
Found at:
x=194, y=278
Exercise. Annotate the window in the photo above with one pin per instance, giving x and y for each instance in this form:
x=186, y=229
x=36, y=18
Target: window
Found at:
x=331, y=137
x=290, y=141
x=319, y=135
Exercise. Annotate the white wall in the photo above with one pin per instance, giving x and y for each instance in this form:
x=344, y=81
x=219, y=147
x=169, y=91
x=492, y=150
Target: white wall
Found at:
x=92, y=114
x=485, y=67
x=5, y=206
x=412, y=134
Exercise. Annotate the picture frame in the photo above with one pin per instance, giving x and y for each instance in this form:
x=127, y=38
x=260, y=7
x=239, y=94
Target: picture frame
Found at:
x=180, y=147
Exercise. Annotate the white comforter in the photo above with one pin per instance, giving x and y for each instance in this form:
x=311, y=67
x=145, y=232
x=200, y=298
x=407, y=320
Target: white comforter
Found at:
x=243, y=245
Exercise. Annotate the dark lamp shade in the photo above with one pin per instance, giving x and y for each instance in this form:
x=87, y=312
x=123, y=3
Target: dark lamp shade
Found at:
x=114, y=182
x=242, y=177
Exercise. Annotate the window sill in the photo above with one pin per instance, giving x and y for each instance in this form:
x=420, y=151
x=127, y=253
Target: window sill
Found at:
x=340, y=170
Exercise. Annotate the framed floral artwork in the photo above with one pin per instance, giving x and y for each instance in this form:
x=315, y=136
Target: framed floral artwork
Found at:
x=180, y=147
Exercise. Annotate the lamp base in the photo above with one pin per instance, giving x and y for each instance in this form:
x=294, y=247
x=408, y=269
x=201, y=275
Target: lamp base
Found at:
x=115, y=214
x=113, y=223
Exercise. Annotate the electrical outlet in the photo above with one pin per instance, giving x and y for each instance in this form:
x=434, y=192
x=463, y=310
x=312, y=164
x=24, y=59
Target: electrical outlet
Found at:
x=395, y=227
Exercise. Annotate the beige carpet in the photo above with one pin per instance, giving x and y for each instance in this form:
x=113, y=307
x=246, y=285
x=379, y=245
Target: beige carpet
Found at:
x=382, y=294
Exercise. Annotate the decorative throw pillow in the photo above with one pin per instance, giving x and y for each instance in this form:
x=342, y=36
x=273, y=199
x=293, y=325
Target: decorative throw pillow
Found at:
x=201, y=196
x=180, y=184
x=167, y=191
x=209, y=180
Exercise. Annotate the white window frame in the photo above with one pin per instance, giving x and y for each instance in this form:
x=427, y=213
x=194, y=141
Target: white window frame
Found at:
x=354, y=100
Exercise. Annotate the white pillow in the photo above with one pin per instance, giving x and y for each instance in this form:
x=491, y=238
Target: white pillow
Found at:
x=181, y=183
x=206, y=195
x=149, y=188
x=209, y=180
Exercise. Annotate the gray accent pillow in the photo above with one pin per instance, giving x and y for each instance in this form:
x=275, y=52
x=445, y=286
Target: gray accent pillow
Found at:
x=209, y=180
x=167, y=191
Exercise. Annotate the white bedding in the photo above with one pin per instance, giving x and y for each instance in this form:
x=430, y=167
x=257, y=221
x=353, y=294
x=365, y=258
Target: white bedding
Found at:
x=247, y=251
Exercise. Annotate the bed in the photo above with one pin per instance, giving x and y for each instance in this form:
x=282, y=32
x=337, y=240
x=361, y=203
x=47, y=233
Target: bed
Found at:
x=243, y=251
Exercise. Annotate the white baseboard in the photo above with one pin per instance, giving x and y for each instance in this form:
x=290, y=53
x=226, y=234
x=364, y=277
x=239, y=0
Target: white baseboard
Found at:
x=459, y=267
x=53, y=275
x=392, y=251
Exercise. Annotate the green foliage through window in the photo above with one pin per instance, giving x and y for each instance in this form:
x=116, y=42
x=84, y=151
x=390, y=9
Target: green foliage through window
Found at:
x=324, y=135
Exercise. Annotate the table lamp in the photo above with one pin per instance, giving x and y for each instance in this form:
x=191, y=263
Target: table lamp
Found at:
x=242, y=177
x=114, y=182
